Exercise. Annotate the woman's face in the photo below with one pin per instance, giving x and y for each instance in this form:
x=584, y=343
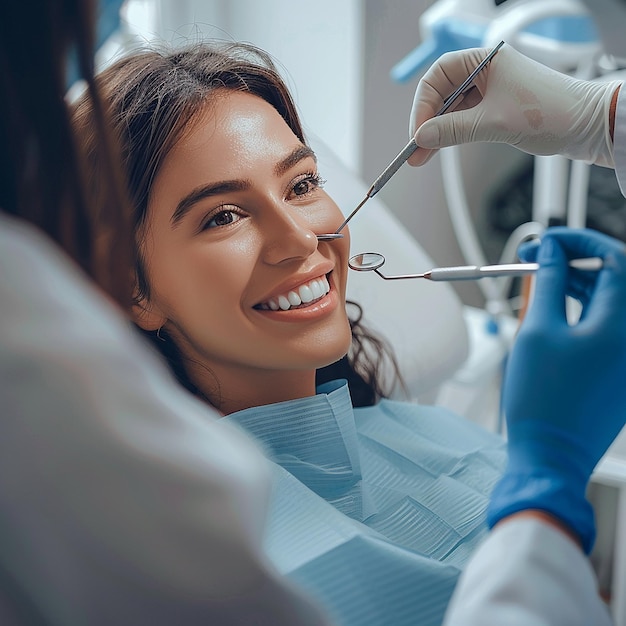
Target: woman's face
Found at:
x=236, y=273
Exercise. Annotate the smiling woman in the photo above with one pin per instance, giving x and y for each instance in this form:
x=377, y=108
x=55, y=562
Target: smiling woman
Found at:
x=376, y=508
x=229, y=245
x=184, y=119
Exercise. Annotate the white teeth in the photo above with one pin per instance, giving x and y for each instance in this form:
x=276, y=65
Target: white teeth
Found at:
x=306, y=293
x=317, y=288
x=294, y=298
x=314, y=290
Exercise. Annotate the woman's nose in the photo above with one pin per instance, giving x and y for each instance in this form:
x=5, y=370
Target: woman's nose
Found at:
x=288, y=235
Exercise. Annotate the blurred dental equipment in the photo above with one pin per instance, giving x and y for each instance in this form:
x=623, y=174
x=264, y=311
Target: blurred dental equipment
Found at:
x=410, y=147
x=373, y=261
x=562, y=35
x=558, y=33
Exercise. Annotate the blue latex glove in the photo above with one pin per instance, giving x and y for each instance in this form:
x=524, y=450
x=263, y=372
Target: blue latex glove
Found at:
x=564, y=392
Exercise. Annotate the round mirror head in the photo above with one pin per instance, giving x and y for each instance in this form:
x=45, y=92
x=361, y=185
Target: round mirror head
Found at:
x=366, y=261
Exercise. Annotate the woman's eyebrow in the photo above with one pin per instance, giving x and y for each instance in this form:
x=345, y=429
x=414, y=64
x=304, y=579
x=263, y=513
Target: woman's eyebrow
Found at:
x=300, y=153
x=206, y=191
x=227, y=186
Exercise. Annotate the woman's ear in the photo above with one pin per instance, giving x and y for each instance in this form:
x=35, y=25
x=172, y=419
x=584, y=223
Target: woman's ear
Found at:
x=146, y=316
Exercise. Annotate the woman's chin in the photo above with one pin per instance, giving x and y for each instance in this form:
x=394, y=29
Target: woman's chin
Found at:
x=334, y=356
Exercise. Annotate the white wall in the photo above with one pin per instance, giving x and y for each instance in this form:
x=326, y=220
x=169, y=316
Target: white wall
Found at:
x=318, y=47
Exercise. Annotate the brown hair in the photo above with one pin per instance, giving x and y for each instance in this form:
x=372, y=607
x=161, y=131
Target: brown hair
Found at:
x=153, y=98
x=42, y=176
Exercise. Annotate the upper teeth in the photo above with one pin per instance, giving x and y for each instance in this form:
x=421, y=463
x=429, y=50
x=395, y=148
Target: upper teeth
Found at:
x=305, y=294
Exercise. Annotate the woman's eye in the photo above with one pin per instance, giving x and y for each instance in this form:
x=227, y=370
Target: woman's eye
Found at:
x=223, y=218
x=306, y=185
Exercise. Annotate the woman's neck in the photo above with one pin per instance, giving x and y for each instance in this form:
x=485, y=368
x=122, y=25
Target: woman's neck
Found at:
x=235, y=391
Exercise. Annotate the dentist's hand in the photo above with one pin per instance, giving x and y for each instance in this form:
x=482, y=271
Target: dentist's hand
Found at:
x=513, y=100
x=564, y=391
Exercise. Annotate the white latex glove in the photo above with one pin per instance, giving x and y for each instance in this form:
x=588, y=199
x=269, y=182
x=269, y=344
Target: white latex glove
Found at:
x=513, y=100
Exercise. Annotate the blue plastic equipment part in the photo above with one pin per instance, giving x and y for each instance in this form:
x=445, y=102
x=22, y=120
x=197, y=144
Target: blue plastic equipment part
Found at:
x=454, y=34
x=492, y=327
x=567, y=28
x=447, y=35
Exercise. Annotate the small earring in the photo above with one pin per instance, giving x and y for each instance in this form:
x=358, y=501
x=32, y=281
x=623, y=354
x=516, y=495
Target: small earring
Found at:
x=158, y=334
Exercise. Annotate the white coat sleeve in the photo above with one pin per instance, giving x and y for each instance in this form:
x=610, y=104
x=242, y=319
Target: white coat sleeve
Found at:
x=619, y=140
x=122, y=499
x=527, y=573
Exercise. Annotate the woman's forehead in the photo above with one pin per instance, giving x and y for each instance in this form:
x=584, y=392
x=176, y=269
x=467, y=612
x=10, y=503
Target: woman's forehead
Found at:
x=236, y=125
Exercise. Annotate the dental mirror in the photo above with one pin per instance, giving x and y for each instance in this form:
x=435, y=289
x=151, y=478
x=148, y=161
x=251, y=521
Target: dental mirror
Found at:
x=366, y=261
x=373, y=261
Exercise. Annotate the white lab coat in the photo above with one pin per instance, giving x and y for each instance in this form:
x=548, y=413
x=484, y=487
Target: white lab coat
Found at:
x=527, y=573
x=122, y=501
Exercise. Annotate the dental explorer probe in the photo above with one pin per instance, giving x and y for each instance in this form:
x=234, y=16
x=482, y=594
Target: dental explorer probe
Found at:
x=372, y=261
x=410, y=147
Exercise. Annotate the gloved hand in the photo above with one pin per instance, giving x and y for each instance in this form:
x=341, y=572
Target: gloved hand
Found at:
x=513, y=100
x=564, y=392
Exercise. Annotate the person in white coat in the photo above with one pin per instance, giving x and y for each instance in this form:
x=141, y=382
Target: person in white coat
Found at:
x=533, y=567
x=122, y=499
